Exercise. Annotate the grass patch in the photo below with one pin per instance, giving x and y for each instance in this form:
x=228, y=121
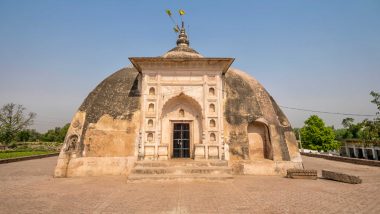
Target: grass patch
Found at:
x=16, y=154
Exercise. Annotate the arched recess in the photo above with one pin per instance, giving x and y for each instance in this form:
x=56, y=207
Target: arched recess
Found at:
x=211, y=108
x=260, y=145
x=181, y=109
x=152, y=91
x=151, y=108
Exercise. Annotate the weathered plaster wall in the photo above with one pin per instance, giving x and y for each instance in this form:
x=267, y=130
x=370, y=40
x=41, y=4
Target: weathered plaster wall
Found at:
x=107, y=126
x=246, y=102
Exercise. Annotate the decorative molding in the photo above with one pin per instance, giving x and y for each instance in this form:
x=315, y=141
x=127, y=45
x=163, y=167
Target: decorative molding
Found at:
x=143, y=64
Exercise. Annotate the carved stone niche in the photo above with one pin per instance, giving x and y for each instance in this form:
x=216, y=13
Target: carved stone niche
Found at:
x=72, y=143
x=76, y=124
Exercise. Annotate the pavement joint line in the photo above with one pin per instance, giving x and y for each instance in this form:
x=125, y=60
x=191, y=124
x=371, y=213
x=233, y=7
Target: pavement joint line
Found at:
x=101, y=207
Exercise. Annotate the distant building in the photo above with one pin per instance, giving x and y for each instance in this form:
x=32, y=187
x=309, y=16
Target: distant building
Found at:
x=357, y=149
x=179, y=105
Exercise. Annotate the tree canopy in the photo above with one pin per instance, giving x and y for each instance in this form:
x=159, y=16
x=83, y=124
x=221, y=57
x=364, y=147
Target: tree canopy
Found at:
x=55, y=135
x=317, y=136
x=14, y=123
x=13, y=120
x=367, y=131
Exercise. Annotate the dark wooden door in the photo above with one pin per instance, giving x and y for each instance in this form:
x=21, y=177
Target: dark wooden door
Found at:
x=181, y=140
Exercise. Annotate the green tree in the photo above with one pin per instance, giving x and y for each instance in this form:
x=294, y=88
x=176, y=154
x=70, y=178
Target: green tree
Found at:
x=376, y=100
x=340, y=134
x=27, y=135
x=370, y=131
x=55, y=135
x=371, y=128
x=352, y=129
x=13, y=120
x=315, y=135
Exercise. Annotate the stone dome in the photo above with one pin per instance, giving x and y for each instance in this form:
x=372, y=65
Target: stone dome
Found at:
x=182, y=52
x=132, y=116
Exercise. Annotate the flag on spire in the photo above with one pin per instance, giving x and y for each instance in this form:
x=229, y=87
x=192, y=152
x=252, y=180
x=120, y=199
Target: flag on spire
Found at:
x=169, y=12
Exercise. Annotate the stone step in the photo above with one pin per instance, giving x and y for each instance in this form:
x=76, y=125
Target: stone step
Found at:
x=185, y=177
x=181, y=169
x=177, y=163
x=178, y=170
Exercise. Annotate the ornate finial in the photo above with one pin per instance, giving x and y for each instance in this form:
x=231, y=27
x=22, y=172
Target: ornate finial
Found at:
x=182, y=37
x=182, y=40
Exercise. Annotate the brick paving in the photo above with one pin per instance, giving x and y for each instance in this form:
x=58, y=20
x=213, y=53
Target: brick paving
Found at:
x=28, y=187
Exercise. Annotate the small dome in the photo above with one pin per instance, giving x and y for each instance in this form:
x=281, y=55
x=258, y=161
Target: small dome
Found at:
x=182, y=50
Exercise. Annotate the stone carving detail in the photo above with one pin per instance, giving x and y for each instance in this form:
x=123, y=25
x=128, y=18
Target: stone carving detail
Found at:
x=150, y=137
x=152, y=91
x=212, y=123
x=72, y=143
x=150, y=123
x=76, y=124
x=212, y=108
x=151, y=108
x=211, y=91
x=211, y=78
x=181, y=113
x=212, y=137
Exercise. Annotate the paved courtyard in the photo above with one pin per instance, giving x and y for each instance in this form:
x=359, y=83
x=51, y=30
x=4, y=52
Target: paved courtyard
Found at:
x=28, y=187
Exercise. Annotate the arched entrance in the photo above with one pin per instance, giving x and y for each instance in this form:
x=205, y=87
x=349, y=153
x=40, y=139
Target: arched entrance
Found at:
x=260, y=146
x=181, y=125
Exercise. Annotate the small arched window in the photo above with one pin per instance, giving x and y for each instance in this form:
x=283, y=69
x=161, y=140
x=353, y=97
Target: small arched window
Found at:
x=150, y=137
x=152, y=91
x=181, y=113
x=212, y=108
x=212, y=123
x=151, y=107
x=150, y=123
x=212, y=137
x=211, y=91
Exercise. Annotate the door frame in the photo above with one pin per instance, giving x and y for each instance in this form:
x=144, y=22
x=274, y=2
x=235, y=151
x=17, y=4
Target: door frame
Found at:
x=191, y=146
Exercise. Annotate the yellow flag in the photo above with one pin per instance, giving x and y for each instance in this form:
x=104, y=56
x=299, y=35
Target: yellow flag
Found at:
x=176, y=29
x=181, y=12
x=169, y=12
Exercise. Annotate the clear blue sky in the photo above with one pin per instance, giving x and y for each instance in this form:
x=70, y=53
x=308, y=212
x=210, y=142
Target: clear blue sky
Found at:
x=322, y=55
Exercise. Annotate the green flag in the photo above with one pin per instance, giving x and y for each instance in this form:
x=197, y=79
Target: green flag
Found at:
x=169, y=12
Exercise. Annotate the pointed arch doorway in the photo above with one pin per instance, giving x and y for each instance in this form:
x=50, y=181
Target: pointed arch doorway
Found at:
x=182, y=126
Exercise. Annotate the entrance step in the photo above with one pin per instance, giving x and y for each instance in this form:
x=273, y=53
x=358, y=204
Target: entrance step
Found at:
x=175, y=163
x=184, y=170
x=167, y=177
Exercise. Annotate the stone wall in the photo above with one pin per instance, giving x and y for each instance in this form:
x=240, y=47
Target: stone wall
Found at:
x=345, y=159
x=248, y=103
x=103, y=136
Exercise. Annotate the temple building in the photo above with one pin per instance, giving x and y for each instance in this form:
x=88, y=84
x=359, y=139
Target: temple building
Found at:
x=178, y=107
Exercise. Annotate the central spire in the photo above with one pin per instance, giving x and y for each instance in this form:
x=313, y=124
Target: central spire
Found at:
x=182, y=50
x=182, y=40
